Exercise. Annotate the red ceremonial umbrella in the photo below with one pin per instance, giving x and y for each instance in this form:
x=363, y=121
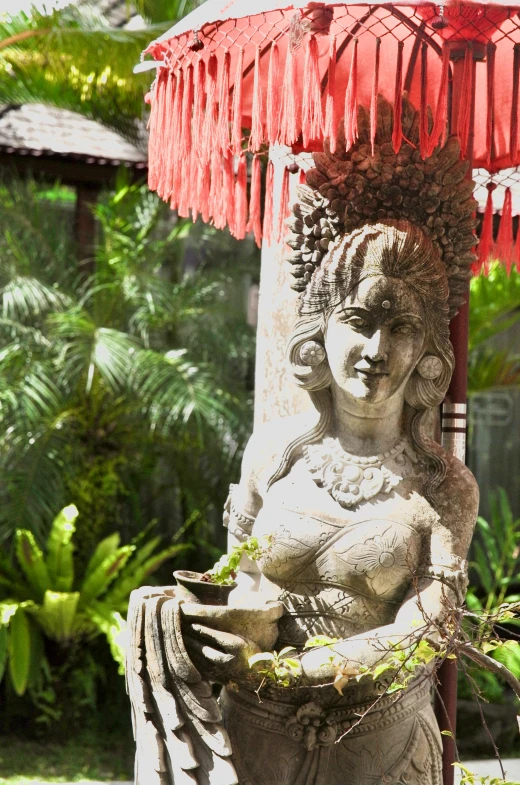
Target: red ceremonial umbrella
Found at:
x=236, y=77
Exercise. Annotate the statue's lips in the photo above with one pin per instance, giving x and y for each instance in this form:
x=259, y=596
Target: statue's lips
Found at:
x=366, y=371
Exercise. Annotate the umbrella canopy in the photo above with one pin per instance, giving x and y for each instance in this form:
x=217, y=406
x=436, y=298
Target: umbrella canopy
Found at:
x=241, y=76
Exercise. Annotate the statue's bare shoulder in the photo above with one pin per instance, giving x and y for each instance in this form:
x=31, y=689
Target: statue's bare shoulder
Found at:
x=263, y=455
x=456, y=501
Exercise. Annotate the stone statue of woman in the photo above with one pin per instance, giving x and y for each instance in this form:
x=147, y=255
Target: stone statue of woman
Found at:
x=368, y=520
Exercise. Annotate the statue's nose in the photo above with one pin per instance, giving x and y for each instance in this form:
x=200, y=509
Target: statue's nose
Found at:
x=376, y=350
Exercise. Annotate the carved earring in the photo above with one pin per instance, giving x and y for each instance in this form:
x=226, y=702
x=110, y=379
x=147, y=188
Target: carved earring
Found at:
x=430, y=367
x=312, y=353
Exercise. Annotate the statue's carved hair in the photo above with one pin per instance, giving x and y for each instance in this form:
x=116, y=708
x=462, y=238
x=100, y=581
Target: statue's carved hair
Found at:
x=396, y=249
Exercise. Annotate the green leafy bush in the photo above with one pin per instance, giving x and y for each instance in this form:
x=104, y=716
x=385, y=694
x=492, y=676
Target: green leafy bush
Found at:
x=41, y=597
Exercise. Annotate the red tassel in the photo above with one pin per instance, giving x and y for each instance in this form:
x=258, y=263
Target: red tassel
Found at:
x=199, y=98
x=423, y=114
x=256, y=138
x=397, y=133
x=465, y=99
x=490, y=120
x=228, y=194
x=375, y=90
x=351, y=109
x=210, y=120
x=312, y=118
x=204, y=191
x=517, y=248
x=223, y=108
x=485, y=246
x=505, y=232
x=184, y=163
x=157, y=128
x=284, y=204
x=440, y=124
x=255, y=203
x=187, y=108
x=241, y=199
x=236, y=133
x=174, y=166
x=268, y=210
x=273, y=96
x=331, y=125
x=513, y=137
x=289, y=121
x=217, y=204
x=303, y=177
x=166, y=149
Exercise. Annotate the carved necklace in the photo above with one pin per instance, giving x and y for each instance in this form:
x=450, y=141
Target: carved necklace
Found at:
x=351, y=479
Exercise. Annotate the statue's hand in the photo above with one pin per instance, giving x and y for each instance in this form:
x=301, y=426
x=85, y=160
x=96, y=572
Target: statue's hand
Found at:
x=220, y=639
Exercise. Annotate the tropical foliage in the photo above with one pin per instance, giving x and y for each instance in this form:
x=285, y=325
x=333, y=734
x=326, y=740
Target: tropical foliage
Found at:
x=123, y=380
x=494, y=308
x=494, y=585
x=42, y=597
x=73, y=59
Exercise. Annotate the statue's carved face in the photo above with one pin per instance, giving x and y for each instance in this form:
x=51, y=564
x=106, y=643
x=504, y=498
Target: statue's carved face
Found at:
x=375, y=338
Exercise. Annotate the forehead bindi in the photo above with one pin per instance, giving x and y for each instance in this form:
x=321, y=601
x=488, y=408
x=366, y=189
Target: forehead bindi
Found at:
x=389, y=297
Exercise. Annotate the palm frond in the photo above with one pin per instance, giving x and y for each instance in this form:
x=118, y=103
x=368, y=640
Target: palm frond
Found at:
x=25, y=299
x=73, y=59
x=491, y=369
x=174, y=392
x=494, y=303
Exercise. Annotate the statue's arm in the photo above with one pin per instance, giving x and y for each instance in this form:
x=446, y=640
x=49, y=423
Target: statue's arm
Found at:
x=439, y=585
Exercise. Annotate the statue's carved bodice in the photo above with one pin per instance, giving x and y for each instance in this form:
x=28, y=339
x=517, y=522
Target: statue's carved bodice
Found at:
x=339, y=572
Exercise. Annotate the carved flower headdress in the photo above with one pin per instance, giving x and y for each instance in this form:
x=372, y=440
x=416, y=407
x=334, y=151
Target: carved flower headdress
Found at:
x=348, y=190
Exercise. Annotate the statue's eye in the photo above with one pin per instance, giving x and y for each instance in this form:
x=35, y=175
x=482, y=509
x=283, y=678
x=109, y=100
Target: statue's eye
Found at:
x=356, y=322
x=404, y=328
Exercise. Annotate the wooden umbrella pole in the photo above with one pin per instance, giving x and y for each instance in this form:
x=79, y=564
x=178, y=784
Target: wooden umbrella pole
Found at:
x=454, y=411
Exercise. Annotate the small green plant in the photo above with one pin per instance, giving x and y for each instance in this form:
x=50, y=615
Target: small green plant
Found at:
x=225, y=570
x=41, y=597
x=277, y=667
x=469, y=778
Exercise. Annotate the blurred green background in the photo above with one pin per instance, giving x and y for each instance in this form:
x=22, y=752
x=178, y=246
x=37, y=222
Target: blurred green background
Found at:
x=126, y=390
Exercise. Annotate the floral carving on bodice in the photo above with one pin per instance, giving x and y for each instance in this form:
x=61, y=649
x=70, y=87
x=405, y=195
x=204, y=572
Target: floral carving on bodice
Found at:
x=342, y=574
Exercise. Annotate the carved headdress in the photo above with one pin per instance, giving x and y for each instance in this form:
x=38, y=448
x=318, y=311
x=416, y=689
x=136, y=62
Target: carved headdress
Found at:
x=367, y=184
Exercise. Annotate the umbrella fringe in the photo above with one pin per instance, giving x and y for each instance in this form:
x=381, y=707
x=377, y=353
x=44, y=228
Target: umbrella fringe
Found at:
x=210, y=120
x=165, y=159
x=440, y=125
x=240, y=227
x=255, y=203
x=485, y=246
x=424, y=137
x=284, y=204
x=513, y=137
x=187, y=108
x=227, y=198
x=331, y=125
x=156, y=125
x=174, y=162
x=504, y=246
x=223, y=137
x=312, y=116
x=289, y=120
x=273, y=95
x=517, y=248
x=490, y=119
x=256, y=138
x=466, y=100
x=351, y=113
x=397, y=134
x=375, y=92
x=199, y=101
x=268, y=211
x=236, y=133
